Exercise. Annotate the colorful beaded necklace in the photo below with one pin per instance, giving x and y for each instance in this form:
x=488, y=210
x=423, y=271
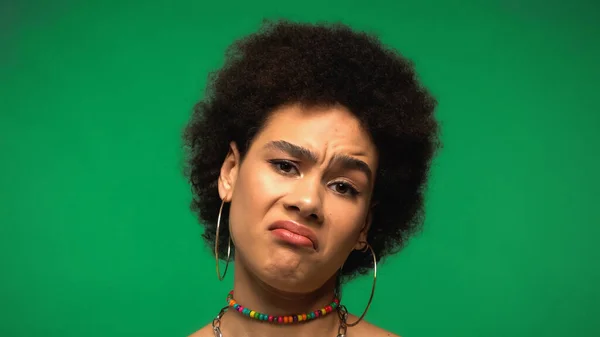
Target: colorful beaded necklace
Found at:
x=287, y=319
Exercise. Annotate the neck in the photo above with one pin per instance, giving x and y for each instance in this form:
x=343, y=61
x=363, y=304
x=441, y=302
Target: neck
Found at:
x=258, y=296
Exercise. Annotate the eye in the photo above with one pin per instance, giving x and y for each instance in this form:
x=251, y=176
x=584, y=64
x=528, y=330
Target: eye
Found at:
x=284, y=166
x=344, y=188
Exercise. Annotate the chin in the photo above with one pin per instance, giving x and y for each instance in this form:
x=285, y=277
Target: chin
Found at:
x=285, y=269
x=291, y=277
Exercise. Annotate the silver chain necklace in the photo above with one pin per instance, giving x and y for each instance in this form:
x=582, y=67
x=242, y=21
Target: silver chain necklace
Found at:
x=342, y=313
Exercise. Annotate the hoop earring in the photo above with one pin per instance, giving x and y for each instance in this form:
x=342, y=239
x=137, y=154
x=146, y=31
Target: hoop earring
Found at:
x=221, y=278
x=343, y=310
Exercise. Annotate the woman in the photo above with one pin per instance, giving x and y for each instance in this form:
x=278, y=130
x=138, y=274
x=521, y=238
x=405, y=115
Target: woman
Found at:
x=308, y=159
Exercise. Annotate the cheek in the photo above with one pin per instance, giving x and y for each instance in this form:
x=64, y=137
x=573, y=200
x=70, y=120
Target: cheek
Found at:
x=346, y=222
x=269, y=184
x=254, y=193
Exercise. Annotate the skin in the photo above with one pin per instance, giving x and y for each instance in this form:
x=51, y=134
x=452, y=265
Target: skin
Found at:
x=329, y=193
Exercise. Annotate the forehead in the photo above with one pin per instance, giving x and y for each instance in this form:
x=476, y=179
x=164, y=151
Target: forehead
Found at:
x=328, y=130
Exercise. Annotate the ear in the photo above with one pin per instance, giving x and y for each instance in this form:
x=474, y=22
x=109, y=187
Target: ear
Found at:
x=229, y=173
x=361, y=243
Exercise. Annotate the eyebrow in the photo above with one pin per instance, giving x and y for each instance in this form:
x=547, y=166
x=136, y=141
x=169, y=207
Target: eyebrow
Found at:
x=351, y=163
x=345, y=161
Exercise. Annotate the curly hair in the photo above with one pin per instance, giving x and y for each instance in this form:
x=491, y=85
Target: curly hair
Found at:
x=319, y=64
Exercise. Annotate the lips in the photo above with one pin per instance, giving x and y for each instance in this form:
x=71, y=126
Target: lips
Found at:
x=295, y=229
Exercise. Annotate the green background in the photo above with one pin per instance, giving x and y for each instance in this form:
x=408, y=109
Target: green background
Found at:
x=96, y=237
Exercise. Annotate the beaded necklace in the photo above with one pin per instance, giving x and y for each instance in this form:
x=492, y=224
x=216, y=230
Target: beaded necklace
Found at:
x=286, y=319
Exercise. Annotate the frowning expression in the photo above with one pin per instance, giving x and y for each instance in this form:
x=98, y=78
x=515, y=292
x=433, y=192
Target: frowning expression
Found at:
x=300, y=198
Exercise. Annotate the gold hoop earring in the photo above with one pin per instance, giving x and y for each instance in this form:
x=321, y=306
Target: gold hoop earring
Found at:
x=221, y=278
x=344, y=311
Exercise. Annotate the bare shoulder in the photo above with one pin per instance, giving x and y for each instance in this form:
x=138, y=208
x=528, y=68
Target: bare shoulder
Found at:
x=363, y=329
x=206, y=331
x=366, y=329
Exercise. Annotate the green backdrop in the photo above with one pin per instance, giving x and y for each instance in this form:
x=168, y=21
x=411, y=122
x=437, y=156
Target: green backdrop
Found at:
x=96, y=238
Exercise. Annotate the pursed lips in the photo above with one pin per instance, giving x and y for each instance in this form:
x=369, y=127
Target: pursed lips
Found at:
x=297, y=229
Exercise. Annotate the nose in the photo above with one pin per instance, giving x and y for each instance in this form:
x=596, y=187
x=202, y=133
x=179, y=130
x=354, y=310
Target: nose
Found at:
x=306, y=200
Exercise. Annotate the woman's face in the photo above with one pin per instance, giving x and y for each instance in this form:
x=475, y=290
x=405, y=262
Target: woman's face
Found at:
x=300, y=199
